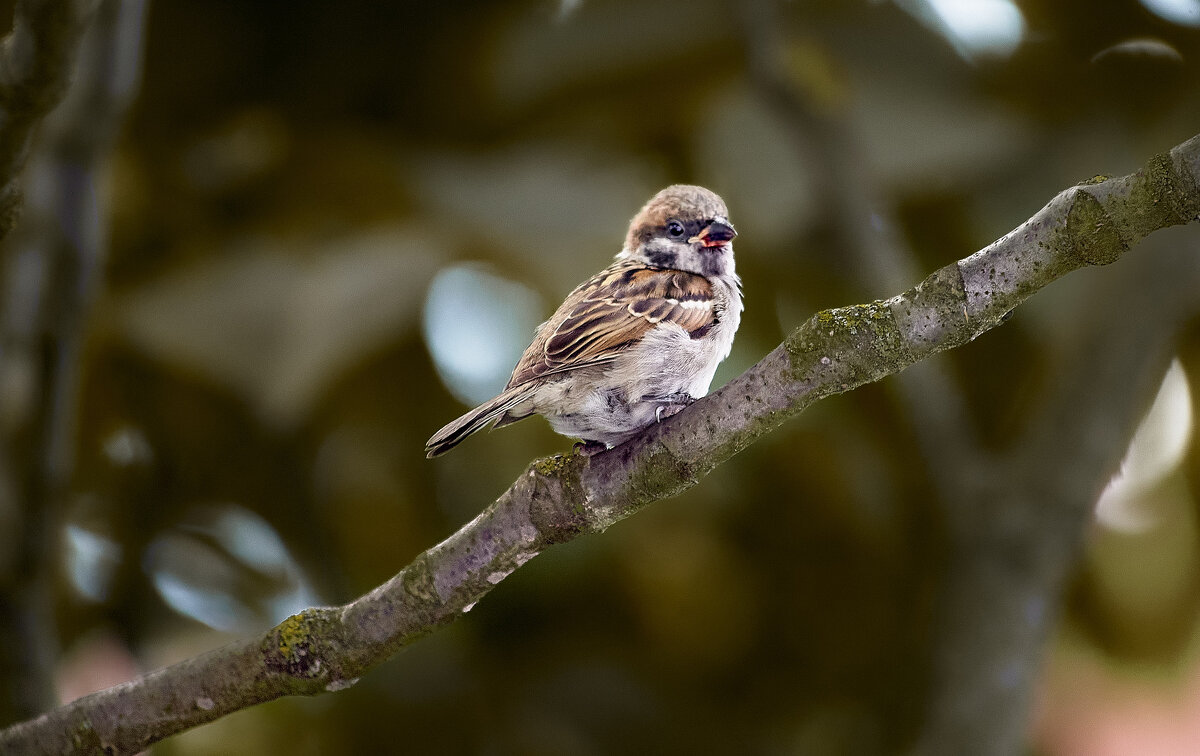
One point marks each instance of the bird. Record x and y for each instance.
(635, 343)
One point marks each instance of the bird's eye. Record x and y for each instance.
(675, 229)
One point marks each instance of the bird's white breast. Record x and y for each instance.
(669, 361)
(614, 402)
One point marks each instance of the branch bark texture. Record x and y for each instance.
(560, 498)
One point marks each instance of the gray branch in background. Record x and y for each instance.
(561, 498)
(52, 266)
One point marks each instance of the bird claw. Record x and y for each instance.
(589, 448)
(679, 402)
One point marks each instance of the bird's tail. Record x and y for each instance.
(477, 419)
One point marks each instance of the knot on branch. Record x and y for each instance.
(296, 646)
(659, 474)
(930, 314)
(85, 739)
(557, 500)
(1093, 235)
(1183, 172)
(418, 582)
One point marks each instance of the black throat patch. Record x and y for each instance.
(660, 256)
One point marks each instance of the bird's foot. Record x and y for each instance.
(677, 404)
(589, 448)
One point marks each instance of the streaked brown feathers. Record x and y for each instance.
(612, 310)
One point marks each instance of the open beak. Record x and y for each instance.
(715, 234)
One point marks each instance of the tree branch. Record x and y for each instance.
(560, 498)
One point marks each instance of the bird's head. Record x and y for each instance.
(683, 227)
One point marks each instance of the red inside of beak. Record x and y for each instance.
(717, 234)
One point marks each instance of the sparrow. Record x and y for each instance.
(635, 343)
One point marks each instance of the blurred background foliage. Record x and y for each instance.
(333, 225)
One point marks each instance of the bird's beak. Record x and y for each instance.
(715, 234)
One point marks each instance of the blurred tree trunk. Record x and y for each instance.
(52, 267)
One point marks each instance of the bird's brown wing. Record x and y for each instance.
(612, 310)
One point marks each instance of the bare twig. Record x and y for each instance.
(561, 498)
